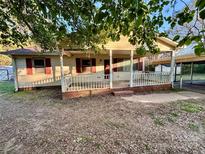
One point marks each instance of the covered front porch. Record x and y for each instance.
(116, 73)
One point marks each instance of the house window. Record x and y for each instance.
(86, 64)
(39, 63)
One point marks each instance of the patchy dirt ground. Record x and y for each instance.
(39, 122)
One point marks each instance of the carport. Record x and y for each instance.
(189, 68)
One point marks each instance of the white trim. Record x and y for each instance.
(192, 65)
(15, 74)
(111, 77)
(143, 64)
(172, 68)
(62, 71)
(131, 68)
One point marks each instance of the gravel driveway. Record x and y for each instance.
(39, 122)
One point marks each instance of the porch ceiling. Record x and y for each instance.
(106, 52)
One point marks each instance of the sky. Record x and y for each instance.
(167, 12)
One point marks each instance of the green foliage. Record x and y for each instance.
(191, 107)
(138, 20)
(192, 17)
(86, 24)
(5, 60)
(172, 117)
(159, 121)
(176, 38)
(46, 22)
(81, 23)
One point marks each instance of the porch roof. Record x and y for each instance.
(28, 51)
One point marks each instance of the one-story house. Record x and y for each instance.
(80, 73)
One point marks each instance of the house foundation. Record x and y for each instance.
(140, 89)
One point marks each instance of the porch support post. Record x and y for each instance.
(131, 68)
(111, 77)
(180, 70)
(143, 64)
(15, 74)
(62, 70)
(172, 68)
(175, 74)
(192, 65)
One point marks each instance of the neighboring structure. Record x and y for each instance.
(79, 72)
(166, 68)
(6, 73)
(186, 62)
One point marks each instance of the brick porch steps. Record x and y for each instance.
(123, 92)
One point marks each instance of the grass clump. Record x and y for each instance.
(159, 121)
(83, 139)
(194, 127)
(191, 107)
(172, 117)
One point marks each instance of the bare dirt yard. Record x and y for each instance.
(39, 122)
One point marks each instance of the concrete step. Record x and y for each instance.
(123, 93)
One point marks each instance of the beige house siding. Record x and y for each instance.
(123, 44)
(41, 79)
(164, 46)
(38, 77)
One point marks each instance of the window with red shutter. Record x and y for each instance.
(29, 69)
(93, 68)
(78, 65)
(48, 66)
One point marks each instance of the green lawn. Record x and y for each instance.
(6, 87)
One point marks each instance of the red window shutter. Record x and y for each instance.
(115, 60)
(48, 66)
(29, 69)
(93, 68)
(78, 65)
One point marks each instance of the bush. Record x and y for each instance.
(5, 60)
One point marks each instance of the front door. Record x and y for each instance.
(107, 68)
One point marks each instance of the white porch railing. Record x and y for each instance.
(86, 82)
(100, 81)
(41, 82)
(151, 78)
